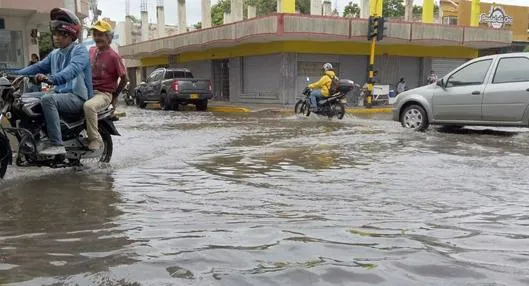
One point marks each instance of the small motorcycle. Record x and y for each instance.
(334, 105)
(26, 123)
(127, 95)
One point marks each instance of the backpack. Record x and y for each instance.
(334, 84)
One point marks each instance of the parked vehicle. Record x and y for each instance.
(334, 105)
(26, 124)
(486, 91)
(127, 95)
(173, 87)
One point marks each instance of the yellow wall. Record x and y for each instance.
(520, 16)
(338, 48)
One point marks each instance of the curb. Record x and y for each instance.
(368, 110)
(229, 109)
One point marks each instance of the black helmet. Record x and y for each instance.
(64, 20)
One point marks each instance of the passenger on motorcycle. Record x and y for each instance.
(107, 68)
(70, 72)
(321, 89)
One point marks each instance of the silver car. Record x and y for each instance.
(486, 91)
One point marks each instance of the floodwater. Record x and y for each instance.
(243, 199)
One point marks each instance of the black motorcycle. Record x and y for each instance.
(334, 105)
(26, 124)
(127, 95)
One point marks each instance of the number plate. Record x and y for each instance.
(195, 96)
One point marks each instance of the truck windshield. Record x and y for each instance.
(178, 74)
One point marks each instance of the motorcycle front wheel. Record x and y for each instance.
(5, 155)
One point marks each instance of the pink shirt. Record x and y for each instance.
(107, 67)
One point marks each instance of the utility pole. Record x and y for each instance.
(375, 33)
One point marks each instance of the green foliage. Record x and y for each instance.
(45, 44)
(351, 10)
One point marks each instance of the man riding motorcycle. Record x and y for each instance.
(107, 68)
(70, 72)
(321, 89)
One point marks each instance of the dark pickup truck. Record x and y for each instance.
(173, 86)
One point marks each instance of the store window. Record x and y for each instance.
(314, 69)
(11, 50)
(450, 20)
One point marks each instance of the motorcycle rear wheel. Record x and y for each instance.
(108, 148)
(339, 110)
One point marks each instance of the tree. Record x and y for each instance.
(393, 8)
(218, 10)
(45, 44)
(198, 25)
(351, 10)
(417, 10)
(303, 6)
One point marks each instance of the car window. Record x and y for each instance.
(512, 70)
(152, 76)
(159, 75)
(178, 74)
(473, 74)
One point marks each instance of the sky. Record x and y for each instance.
(115, 9)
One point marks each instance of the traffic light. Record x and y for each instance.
(380, 28)
(376, 28)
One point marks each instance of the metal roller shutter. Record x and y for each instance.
(443, 66)
(261, 75)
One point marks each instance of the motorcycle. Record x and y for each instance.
(334, 105)
(26, 123)
(127, 95)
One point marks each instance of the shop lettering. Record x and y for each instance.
(496, 18)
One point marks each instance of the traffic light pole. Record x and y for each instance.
(369, 97)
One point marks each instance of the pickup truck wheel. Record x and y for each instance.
(139, 101)
(414, 117)
(165, 103)
(202, 105)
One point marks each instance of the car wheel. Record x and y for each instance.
(202, 105)
(414, 117)
(165, 103)
(139, 101)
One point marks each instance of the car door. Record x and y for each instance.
(151, 84)
(507, 96)
(461, 96)
(157, 85)
(146, 89)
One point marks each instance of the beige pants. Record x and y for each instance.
(99, 102)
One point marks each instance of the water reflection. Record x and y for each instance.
(205, 199)
(60, 225)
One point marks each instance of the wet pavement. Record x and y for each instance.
(266, 199)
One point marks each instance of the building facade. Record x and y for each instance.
(493, 16)
(21, 22)
(268, 59)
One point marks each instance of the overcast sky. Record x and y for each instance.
(115, 9)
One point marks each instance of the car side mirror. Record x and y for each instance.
(441, 83)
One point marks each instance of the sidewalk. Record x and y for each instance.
(222, 106)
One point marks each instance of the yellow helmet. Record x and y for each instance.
(102, 26)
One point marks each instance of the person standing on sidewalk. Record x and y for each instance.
(107, 68)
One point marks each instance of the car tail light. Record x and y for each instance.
(176, 86)
(210, 89)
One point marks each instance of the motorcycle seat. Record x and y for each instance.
(76, 117)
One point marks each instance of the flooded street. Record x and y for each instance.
(244, 199)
